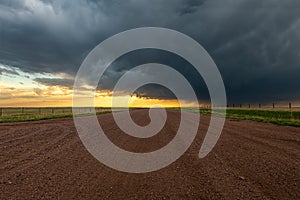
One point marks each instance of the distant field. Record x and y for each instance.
(33, 114)
(284, 117)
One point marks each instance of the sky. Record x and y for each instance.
(254, 43)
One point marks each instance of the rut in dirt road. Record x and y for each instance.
(46, 159)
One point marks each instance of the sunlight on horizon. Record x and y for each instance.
(21, 89)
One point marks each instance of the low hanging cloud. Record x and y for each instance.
(8, 71)
(255, 43)
(68, 83)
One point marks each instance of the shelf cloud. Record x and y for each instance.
(255, 43)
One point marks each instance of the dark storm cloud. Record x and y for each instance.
(139, 57)
(55, 82)
(255, 43)
(8, 71)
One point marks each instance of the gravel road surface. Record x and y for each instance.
(46, 159)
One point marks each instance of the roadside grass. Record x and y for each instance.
(284, 118)
(36, 117)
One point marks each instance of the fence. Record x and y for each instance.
(9, 111)
(272, 106)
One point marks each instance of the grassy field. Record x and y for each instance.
(33, 114)
(285, 118)
(35, 117)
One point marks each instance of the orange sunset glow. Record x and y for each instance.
(22, 90)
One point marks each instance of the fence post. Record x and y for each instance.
(249, 105)
(290, 107)
(240, 105)
(259, 105)
(273, 105)
(233, 105)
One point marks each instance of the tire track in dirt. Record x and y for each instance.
(52, 139)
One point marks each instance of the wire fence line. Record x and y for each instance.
(272, 106)
(10, 111)
(258, 106)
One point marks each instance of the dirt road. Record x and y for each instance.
(46, 159)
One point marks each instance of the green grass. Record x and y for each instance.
(36, 117)
(284, 118)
